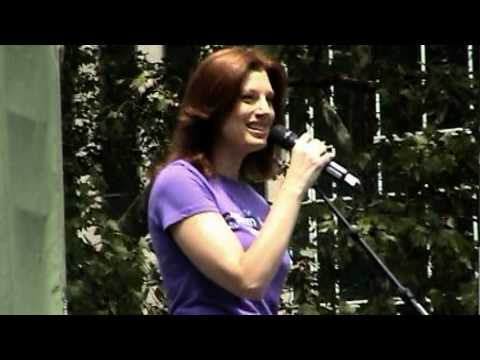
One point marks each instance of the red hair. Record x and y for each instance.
(210, 96)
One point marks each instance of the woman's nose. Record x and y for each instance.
(264, 106)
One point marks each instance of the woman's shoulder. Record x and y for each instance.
(178, 172)
(176, 168)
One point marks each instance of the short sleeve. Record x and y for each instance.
(179, 192)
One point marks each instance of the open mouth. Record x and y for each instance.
(257, 129)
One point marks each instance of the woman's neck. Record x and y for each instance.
(227, 162)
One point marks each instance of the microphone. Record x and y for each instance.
(281, 136)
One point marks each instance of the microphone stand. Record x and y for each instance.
(404, 292)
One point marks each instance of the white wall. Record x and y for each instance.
(154, 52)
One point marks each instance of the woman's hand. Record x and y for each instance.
(308, 158)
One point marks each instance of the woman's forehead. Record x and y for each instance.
(257, 78)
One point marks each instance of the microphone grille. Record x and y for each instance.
(281, 136)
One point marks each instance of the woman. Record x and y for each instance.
(221, 248)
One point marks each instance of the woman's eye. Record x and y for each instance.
(248, 98)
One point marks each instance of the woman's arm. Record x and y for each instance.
(210, 244)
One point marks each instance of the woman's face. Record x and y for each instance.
(248, 125)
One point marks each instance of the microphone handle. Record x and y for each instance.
(340, 173)
(334, 169)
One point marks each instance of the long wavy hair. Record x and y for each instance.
(210, 96)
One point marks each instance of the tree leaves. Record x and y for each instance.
(431, 178)
(107, 271)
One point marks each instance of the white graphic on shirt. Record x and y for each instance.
(248, 221)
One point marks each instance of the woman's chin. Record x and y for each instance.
(256, 144)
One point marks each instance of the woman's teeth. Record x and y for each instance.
(256, 127)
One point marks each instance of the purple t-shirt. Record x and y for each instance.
(181, 190)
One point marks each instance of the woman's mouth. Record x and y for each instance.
(258, 130)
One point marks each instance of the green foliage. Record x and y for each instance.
(420, 222)
(107, 271)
